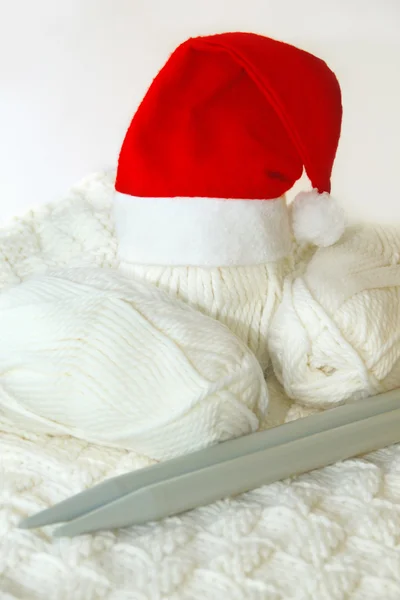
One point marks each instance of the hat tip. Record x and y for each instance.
(317, 218)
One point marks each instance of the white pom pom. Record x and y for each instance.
(317, 218)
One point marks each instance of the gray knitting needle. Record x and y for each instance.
(229, 468)
(232, 477)
(124, 484)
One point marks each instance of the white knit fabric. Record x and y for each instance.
(243, 298)
(89, 353)
(328, 535)
(336, 335)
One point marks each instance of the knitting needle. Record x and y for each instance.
(241, 474)
(118, 486)
(113, 489)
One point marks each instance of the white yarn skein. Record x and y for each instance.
(336, 334)
(242, 298)
(89, 353)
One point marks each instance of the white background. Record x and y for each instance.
(72, 73)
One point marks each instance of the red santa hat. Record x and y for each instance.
(225, 129)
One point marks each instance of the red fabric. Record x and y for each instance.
(233, 115)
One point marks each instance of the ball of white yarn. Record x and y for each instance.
(336, 334)
(89, 353)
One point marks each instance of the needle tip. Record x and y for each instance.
(29, 523)
(58, 533)
(41, 519)
(68, 530)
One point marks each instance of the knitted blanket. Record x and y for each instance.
(331, 534)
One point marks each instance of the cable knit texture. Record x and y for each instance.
(336, 335)
(329, 535)
(87, 352)
(243, 298)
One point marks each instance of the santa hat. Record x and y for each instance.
(225, 129)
